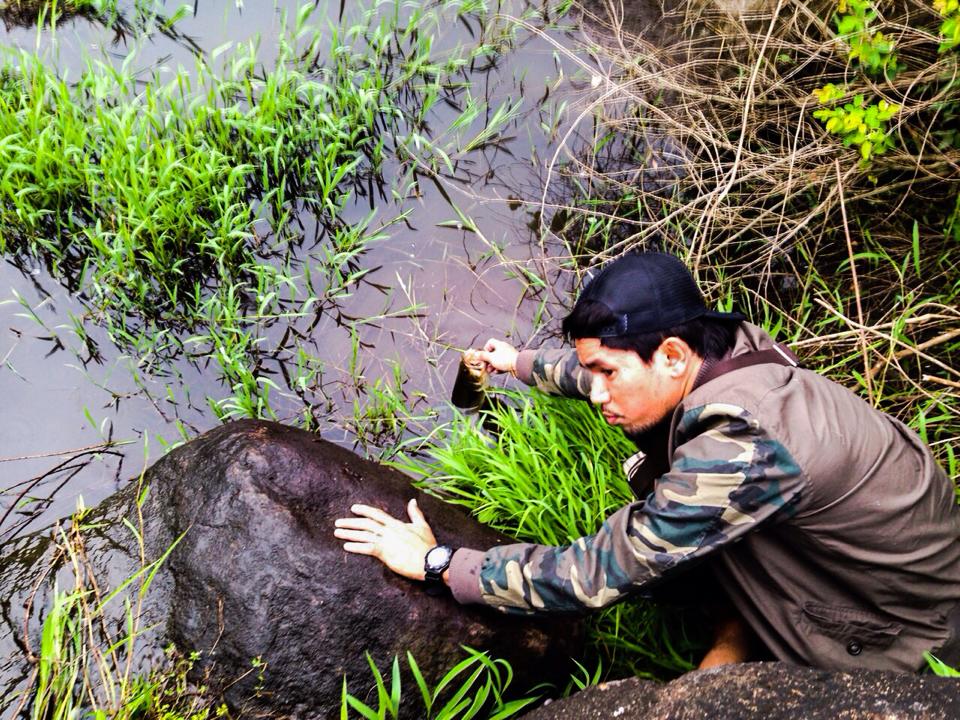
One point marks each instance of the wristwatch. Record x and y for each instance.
(435, 563)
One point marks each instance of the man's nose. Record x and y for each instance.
(598, 390)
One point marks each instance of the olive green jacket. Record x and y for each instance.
(829, 524)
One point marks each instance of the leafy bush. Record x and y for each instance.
(858, 124)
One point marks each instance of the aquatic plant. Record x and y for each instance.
(177, 207)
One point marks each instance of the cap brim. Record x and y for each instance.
(717, 315)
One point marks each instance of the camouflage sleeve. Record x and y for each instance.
(558, 372)
(727, 476)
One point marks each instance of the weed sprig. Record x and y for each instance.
(196, 213)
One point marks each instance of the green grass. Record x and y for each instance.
(166, 203)
(87, 653)
(146, 197)
(175, 205)
(940, 668)
(475, 687)
(553, 474)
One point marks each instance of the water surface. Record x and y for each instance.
(435, 288)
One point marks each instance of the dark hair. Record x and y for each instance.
(707, 337)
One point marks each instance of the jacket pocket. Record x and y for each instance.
(856, 628)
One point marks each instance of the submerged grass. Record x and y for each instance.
(167, 203)
(193, 212)
(144, 196)
(135, 19)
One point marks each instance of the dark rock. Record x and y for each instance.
(766, 691)
(259, 574)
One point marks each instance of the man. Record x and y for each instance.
(828, 524)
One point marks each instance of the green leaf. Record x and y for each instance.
(366, 711)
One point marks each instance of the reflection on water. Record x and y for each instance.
(454, 267)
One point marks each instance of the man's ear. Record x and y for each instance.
(675, 355)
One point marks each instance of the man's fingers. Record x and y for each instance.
(359, 523)
(373, 513)
(361, 536)
(416, 517)
(360, 548)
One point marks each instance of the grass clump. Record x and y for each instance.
(473, 688)
(86, 663)
(553, 474)
(171, 206)
(146, 198)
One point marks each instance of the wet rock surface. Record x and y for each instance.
(766, 691)
(259, 574)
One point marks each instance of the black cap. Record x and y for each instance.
(648, 292)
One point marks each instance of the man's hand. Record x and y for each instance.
(499, 356)
(400, 546)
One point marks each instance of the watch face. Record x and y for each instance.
(439, 557)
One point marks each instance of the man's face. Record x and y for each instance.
(631, 393)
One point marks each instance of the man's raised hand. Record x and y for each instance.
(499, 356)
(400, 546)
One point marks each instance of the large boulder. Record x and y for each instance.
(258, 575)
(766, 691)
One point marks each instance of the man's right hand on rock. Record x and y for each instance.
(400, 546)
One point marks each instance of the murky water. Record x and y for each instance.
(61, 405)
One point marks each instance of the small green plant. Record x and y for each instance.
(950, 27)
(938, 667)
(85, 662)
(388, 414)
(952, 226)
(473, 688)
(857, 123)
(874, 52)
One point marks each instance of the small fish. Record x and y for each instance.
(468, 389)
(470, 392)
